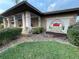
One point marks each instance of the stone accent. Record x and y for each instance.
(39, 21)
(9, 22)
(28, 21)
(15, 22)
(23, 24)
(4, 23)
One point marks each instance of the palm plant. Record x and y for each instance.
(16, 1)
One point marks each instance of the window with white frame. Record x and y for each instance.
(77, 19)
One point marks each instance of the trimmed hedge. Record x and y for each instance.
(73, 34)
(8, 34)
(37, 30)
(1, 26)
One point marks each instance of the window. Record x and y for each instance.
(77, 19)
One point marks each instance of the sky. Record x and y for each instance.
(43, 5)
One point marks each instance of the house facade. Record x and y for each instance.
(27, 17)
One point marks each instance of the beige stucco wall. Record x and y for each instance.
(70, 17)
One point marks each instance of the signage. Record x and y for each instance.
(56, 26)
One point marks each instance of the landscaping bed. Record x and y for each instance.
(9, 34)
(41, 50)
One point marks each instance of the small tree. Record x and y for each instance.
(73, 34)
(17, 1)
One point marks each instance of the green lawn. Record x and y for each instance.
(41, 50)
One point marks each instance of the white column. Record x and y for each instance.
(9, 22)
(39, 21)
(24, 30)
(4, 23)
(15, 21)
(28, 20)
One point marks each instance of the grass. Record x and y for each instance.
(41, 50)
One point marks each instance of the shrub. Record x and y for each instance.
(8, 34)
(73, 34)
(37, 30)
(1, 26)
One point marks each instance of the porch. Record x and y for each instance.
(25, 20)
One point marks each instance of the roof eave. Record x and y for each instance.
(18, 5)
